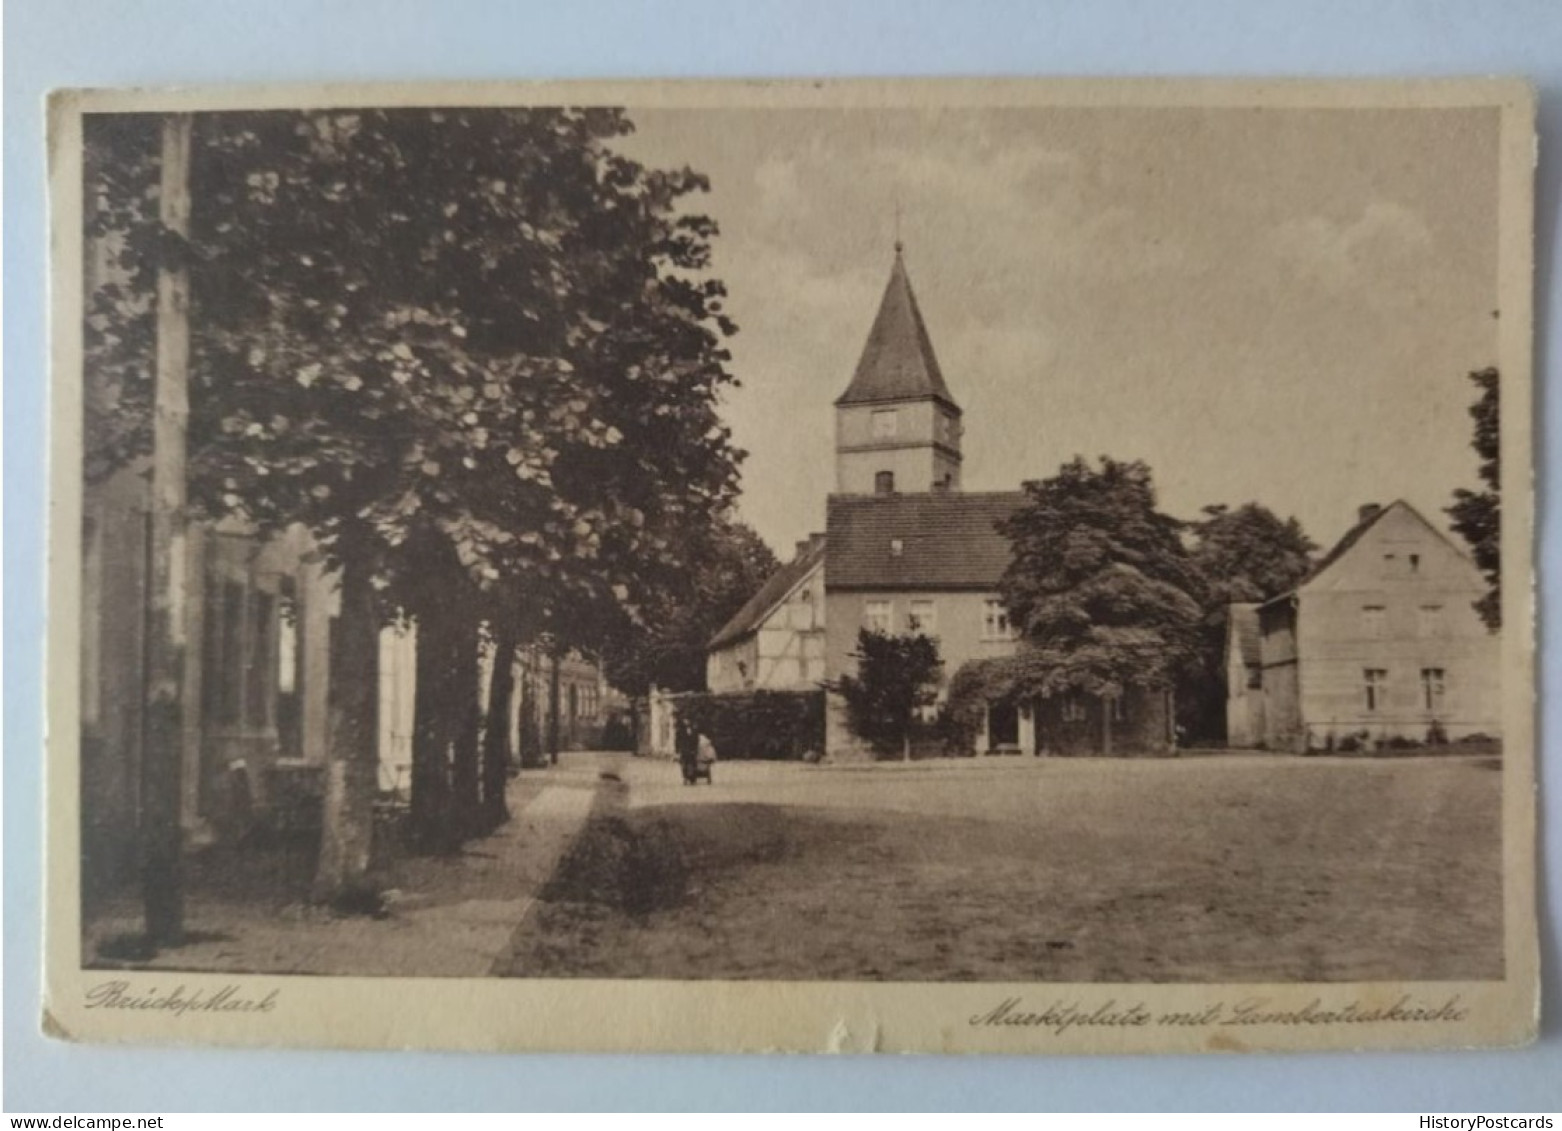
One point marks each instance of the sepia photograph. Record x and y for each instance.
(921, 566)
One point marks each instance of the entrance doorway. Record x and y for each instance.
(1003, 726)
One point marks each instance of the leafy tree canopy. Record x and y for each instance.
(1249, 553)
(1477, 515)
(666, 646)
(1100, 585)
(896, 675)
(481, 340)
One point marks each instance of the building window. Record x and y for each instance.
(1073, 709)
(1374, 619)
(878, 616)
(1375, 682)
(241, 668)
(884, 482)
(885, 424)
(1415, 563)
(995, 621)
(1432, 686)
(1431, 620)
(923, 619)
(289, 677)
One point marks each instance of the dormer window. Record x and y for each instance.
(897, 546)
(886, 424)
(884, 483)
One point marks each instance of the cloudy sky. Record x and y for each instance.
(1277, 305)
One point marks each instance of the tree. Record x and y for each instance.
(1477, 515)
(1245, 554)
(896, 675)
(666, 647)
(1100, 585)
(477, 354)
(1249, 553)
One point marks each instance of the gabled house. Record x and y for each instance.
(1380, 641)
(775, 642)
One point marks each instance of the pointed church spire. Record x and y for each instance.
(897, 362)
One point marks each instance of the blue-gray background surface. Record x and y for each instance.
(59, 43)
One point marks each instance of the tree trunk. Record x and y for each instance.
(553, 707)
(532, 755)
(465, 771)
(353, 756)
(431, 733)
(1106, 725)
(162, 745)
(496, 732)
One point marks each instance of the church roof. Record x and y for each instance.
(933, 540)
(898, 362)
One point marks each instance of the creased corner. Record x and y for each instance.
(50, 1024)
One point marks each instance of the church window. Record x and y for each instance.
(878, 616)
(995, 621)
(886, 423)
(923, 619)
(1375, 683)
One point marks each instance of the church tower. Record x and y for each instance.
(896, 426)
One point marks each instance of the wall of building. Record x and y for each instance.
(256, 686)
(1083, 725)
(1244, 699)
(734, 667)
(910, 453)
(960, 631)
(1399, 602)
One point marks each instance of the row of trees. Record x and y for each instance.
(478, 355)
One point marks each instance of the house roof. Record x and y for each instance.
(897, 362)
(1242, 628)
(1354, 535)
(777, 587)
(945, 540)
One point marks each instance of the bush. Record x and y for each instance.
(1436, 735)
(767, 725)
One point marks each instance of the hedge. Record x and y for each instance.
(770, 725)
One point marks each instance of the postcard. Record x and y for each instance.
(916, 566)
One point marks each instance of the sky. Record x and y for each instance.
(1274, 305)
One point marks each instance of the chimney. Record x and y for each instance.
(1366, 513)
(802, 548)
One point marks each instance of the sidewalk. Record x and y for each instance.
(448, 916)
